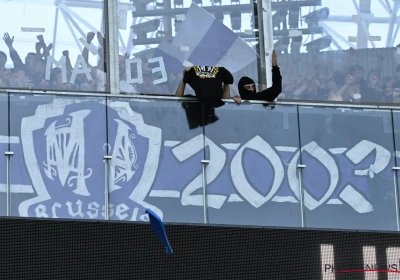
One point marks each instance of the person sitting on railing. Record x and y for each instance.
(247, 87)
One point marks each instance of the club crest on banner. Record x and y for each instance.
(63, 146)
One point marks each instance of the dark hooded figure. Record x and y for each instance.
(247, 87)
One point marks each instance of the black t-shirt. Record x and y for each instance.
(207, 81)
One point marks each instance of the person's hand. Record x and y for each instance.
(185, 70)
(101, 39)
(38, 47)
(8, 40)
(334, 97)
(349, 79)
(237, 99)
(274, 60)
(90, 37)
(49, 47)
(65, 53)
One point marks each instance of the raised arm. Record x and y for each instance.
(13, 53)
(270, 94)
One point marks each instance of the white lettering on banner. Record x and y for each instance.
(217, 162)
(327, 161)
(239, 178)
(74, 132)
(119, 212)
(62, 63)
(128, 70)
(188, 149)
(78, 70)
(95, 207)
(153, 134)
(70, 210)
(353, 197)
(360, 151)
(61, 154)
(160, 68)
(123, 166)
(40, 211)
(356, 200)
(91, 210)
(66, 152)
(81, 67)
(53, 209)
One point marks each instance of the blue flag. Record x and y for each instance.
(159, 229)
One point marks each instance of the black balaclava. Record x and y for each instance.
(242, 82)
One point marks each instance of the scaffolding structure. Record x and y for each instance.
(284, 24)
(167, 12)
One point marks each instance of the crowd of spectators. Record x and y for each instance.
(351, 83)
(320, 81)
(31, 73)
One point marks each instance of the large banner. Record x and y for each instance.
(58, 169)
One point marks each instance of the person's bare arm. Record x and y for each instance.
(338, 95)
(226, 92)
(181, 89)
(300, 90)
(13, 53)
(349, 79)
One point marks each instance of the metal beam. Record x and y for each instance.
(395, 35)
(268, 38)
(79, 45)
(71, 20)
(55, 32)
(73, 14)
(112, 46)
(276, 33)
(370, 19)
(262, 79)
(130, 7)
(129, 46)
(388, 5)
(247, 8)
(336, 35)
(363, 26)
(385, 6)
(333, 40)
(390, 36)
